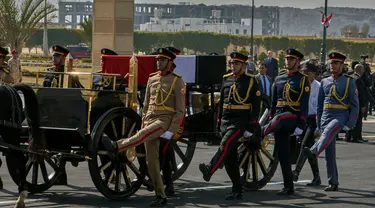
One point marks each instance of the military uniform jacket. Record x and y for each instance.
(290, 93)
(52, 80)
(5, 74)
(237, 91)
(338, 99)
(164, 101)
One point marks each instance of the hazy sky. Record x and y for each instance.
(281, 3)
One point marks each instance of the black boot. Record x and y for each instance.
(233, 196)
(1, 184)
(205, 171)
(169, 190)
(332, 188)
(158, 202)
(300, 162)
(286, 192)
(315, 169)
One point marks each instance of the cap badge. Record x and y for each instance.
(160, 50)
(234, 55)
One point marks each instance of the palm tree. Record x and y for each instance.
(87, 31)
(19, 19)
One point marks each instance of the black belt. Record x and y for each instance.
(10, 124)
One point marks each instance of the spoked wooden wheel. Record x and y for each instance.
(117, 177)
(40, 176)
(257, 165)
(182, 155)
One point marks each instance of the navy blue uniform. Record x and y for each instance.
(289, 110)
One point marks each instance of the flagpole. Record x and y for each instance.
(324, 46)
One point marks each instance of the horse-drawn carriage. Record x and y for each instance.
(74, 120)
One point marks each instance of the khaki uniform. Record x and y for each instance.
(15, 69)
(164, 108)
(5, 76)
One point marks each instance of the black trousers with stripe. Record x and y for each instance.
(227, 153)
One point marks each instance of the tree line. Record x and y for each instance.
(204, 42)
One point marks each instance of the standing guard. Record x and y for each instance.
(59, 54)
(162, 114)
(338, 108)
(5, 75)
(239, 109)
(289, 108)
(308, 135)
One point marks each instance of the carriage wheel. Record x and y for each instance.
(183, 152)
(126, 171)
(37, 182)
(257, 165)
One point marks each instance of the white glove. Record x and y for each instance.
(345, 128)
(247, 134)
(167, 135)
(297, 132)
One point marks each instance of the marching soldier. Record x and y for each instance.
(239, 109)
(166, 151)
(4, 69)
(162, 114)
(311, 70)
(59, 54)
(289, 108)
(338, 108)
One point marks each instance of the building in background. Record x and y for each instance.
(73, 12)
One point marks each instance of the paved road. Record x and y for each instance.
(355, 163)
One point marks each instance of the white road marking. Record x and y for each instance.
(224, 187)
(26, 201)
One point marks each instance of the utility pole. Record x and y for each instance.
(324, 46)
(252, 30)
(45, 37)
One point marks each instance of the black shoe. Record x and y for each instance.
(332, 188)
(158, 202)
(205, 171)
(233, 196)
(1, 184)
(295, 176)
(315, 181)
(62, 180)
(357, 141)
(310, 155)
(286, 192)
(109, 145)
(169, 191)
(363, 140)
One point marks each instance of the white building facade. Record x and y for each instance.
(202, 24)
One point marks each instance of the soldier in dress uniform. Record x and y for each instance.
(338, 108)
(5, 75)
(163, 111)
(238, 112)
(98, 81)
(59, 54)
(166, 151)
(289, 108)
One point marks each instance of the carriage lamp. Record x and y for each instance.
(131, 154)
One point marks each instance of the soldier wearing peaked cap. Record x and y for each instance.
(4, 69)
(163, 111)
(337, 109)
(238, 116)
(98, 81)
(289, 108)
(59, 54)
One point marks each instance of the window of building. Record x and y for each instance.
(244, 31)
(237, 31)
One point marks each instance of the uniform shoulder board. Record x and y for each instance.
(228, 75)
(303, 74)
(153, 74)
(177, 75)
(352, 76)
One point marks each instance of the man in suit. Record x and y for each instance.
(265, 84)
(273, 66)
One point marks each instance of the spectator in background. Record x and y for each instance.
(273, 66)
(250, 65)
(14, 64)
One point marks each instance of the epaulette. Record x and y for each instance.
(303, 74)
(352, 76)
(5, 68)
(228, 75)
(177, 75)
(153, 74)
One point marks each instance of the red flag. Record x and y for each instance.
(326, 20)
